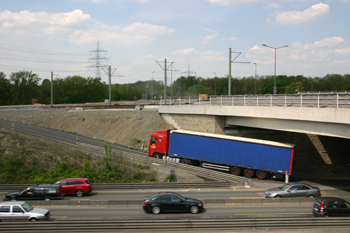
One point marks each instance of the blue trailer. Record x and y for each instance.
(252, 157)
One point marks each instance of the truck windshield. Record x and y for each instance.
(153, 140)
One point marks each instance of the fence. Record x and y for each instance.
(294, 100)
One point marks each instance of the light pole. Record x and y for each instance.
(152, 84)
(215, 83)
(255, 76)
(274, 86)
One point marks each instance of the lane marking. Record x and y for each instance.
(273, 213)
(59, 216)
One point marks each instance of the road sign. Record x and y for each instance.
(13, 126)
(78, 140)
(60, 127)
(24, 120)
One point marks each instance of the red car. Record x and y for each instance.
(77, 186)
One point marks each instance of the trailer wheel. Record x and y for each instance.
(249, 173)
(236, 171)
(186, 161)
(261, 175)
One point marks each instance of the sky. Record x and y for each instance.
(134, 37)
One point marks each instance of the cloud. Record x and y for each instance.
(327, 42)
(185, 51)
(77, 27)
(230, 38)
(314, 13)
(232, 2)
(343, 51)
(143, 1)
(208, 38)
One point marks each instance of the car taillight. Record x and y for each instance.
(319, 191)
(322, 207)
(145, 203)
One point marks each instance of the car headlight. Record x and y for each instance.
(199, 204)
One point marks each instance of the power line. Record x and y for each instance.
(98, 59)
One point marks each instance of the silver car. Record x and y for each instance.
(20, 210)
(293, 190)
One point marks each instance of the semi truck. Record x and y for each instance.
(238, 155)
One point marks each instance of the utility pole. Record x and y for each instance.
(165, 78)
(229, 68)
(152, 84)
(109, 72)
(51, 89)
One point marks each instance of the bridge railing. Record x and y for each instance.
(291, 100)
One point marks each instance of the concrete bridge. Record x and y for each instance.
(313, 115)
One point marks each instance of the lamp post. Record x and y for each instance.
(255, 76)
(152, 84)
(215, 83)
(274, 86)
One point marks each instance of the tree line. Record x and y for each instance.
(23, 86)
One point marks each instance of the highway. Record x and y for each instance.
(135, 212)
(224, 211)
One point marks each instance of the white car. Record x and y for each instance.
(20, 210)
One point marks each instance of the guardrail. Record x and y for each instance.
(178, 225)
(290, 100)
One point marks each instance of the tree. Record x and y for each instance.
(5, 89)
(25, 87)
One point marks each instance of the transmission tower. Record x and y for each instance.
(97, 59)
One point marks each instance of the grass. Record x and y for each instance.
(26, 159)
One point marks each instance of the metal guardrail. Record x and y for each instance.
(290, 100)
(177, 225)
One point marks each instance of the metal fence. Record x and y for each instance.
(292, 100)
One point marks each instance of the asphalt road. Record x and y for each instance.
(227, 211)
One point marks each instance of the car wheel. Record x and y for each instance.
(33, 219)
(236, 171)
(47, 198)
(249, 173)
(79, 193)
(13, 198)
(310, 196)
(278, 196)
(194, 209)
(156, 210)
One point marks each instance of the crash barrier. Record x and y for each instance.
(178, 225)
(138, 203)
(134, 186)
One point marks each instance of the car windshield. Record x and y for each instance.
(27, 207)
(285, 187)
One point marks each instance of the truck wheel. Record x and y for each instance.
(158, 156)
(249, 173)
(261, 175)
(236, 171)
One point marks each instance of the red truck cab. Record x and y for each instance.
(159, 144)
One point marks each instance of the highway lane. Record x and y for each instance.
(212, 212)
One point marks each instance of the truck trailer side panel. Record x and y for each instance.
(230, 152)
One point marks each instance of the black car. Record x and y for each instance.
(38, 192)
(331, 206)
(171, 201)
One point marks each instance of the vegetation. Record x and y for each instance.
(25, 85)
(24, 159)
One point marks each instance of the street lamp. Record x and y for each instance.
(275, 87)
(215, 83)
(152, 84)
(255, 76)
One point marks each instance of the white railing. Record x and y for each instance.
(292, 100)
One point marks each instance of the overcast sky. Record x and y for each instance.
(135, 36)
